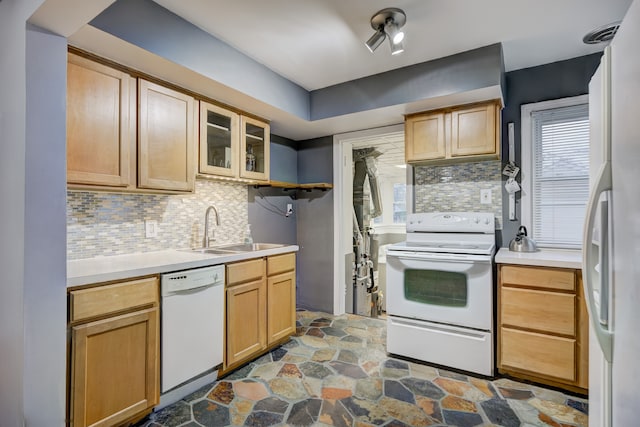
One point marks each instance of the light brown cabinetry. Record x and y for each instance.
(233, 145)
(166, 136)
(101, 139)
(281, 290)
(114, 353)
(105, 107)
(246, 310)
(541, 336)
(219, 141)
(260, 306)
(254, 149)
(470, 132)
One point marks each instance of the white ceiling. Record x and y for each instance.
(318, 43)
(390, 163)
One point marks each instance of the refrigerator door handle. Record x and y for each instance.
(592, 257)
(604, 251)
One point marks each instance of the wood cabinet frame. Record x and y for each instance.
(455, 134)
(281, 316)
(273, 282)
(91, 138)
(238, 134)
(566, 366)
(234, 134)
(260, 176)
(237, 314)
(166, 162)
(81, 405)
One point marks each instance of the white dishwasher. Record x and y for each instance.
(192, 323)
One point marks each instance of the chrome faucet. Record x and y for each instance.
(205, 240)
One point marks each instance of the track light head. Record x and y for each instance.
(388, 22)
(396, 48)
(376, 40)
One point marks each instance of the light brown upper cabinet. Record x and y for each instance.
(102, 150)
(233, 145)
(101, 139)
(426, 133)
(470, 132)
(166, 135)
(254, 149)
(219, 140)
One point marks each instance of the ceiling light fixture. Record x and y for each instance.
(388, 23)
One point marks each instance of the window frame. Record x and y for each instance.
(527, 156)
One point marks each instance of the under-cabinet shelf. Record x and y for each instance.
(323, 186)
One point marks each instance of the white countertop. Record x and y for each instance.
(543, 257)
(104, 269)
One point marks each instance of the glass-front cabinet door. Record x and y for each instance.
(219, 137)
(254, 145)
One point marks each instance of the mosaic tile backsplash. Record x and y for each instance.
(113, 224)
(457, 188)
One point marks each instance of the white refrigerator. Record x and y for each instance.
(611, 249)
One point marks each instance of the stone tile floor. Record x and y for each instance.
(335, 372)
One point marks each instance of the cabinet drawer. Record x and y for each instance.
(103, 300)
(540, 310)
(281, 263)
(538, 353)
(550, 278)
(245, 271)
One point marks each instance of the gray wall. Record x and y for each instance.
(550, 81)
(474, 69)
(32, 244)
(13, 15)
(148, 25)
(315, 226)
(266, 205)
(45, 230)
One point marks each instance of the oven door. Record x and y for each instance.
(455, 289)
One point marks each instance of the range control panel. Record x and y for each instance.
(451, 222)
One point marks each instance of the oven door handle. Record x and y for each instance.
(444, 329)
(422, 256)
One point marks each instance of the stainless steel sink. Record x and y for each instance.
(236, 248)
(213, 251)
(250, 247)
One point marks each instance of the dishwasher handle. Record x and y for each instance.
(189, 291)
(191, 281)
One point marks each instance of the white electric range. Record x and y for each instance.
(440, 291)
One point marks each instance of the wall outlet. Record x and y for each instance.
(150, 228)
(289, 209)
(485, 196)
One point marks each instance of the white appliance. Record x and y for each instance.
(192, 324)
(611, 247)
(440, 291)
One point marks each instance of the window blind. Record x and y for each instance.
(560, 182)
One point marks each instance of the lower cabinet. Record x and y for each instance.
(541, 334)
(260, 306)
(246, 317)
(281, 290)
(114, 353)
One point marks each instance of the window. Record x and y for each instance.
(555, 171)
(399, 203)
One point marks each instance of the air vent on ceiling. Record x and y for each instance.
(602, 34)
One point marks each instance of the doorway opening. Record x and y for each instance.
(370, 214)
